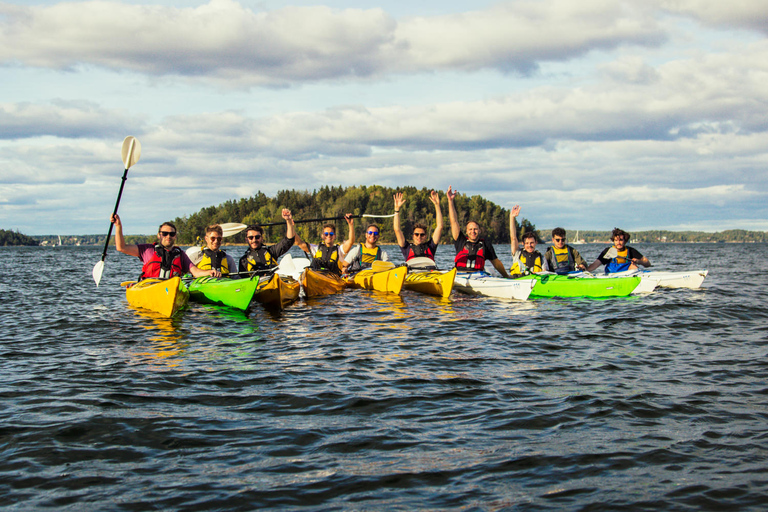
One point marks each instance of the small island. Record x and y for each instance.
(8, 237)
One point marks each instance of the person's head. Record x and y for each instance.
(558, 237)
(329, 234)
(529, 241)
(213, 237)
(419, 233)
(473, 231)
(166, 235)
(254, 235)
(372, 233)
(620, 238)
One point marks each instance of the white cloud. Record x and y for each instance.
(750, 14)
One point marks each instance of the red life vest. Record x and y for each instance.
(420, 251)
(163, 264)
(471, 256)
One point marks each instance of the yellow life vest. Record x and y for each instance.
(327, 257)
(526, 263)
(216, 260)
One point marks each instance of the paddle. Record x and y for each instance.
(131, 152)
(233, 228)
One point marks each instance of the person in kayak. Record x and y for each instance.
(260, 257)
(420, 246)
(471, 251)
(527, 260)
(328, 255)
(212, 256)
(619, 257)
(561, 258)
(163, 259)
(362, 256)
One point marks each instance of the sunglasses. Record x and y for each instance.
(558, 239)
(329, 233)
(254, 237)
(215, 238)
(374, 233)
(419, 234)
(168, 233)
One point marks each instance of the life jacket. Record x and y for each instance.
(471, 256)
(365, 257)
(163, 264)
(326, 258)
(526, 263)
(561, 260)
(620, 263)
(259, 259)
(420, 251)
(214, 260)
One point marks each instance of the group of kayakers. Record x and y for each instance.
(164, 259)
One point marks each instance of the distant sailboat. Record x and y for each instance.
(577, 240)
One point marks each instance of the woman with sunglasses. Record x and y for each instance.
(163, 259)
(421, 246)
(362, 256)
(329, 255)
(563, 258)
(260, 257)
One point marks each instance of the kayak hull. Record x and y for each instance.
(223, 291)
(165, 297)
(691, 279)
(318, 283)
(553, 285)
(277, 291)
(433, 282)
(482, 283)
(385, 281)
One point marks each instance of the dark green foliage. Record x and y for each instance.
(336, 201)
(8, 237)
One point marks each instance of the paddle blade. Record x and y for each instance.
(131, 151)
(98, 269)
(612, 253)
(381, 266)
(232, 228)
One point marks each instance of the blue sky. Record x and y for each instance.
(606, 113)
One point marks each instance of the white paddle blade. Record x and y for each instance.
(195, 254)
(131, 151)
(98, 269)
(612, 253)
(286, 266)
(232, 228)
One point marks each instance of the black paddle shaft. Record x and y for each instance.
(117, 203)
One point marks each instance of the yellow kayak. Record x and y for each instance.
(317, 283)
(165, 297)
(277, 291)
(383, 277)
(431, 282)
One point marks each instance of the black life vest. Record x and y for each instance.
(258, 259)
(326, 258)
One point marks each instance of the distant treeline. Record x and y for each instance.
(336, 201)
(656, 236)
(15, 238)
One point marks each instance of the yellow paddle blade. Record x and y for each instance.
(380, 266)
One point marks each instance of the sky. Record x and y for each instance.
(590, 114)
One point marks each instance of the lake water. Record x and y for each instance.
(362, 401)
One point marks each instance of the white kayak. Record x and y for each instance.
(482, 283)
(670, 279)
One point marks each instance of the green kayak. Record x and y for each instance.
(553, 285)
(225, 291)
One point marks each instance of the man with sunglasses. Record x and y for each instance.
(163, 259)
(362, 256)
(562, 258)
(619, 257)
(260, 257)
(421, 246)
(212, 256)
(471, 251)
(329, 255)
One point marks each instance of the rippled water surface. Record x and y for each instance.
(368, 402)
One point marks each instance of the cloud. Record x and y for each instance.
(749, 14)
(225, 42)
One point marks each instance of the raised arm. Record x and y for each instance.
(350, 241)
(120, 245)
(399, 202)
(455, 229)
(438, 233)
(290, 232)
(513, 243)
(499, 266)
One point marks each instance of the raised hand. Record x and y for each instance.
(399, 200)
(434, 197)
